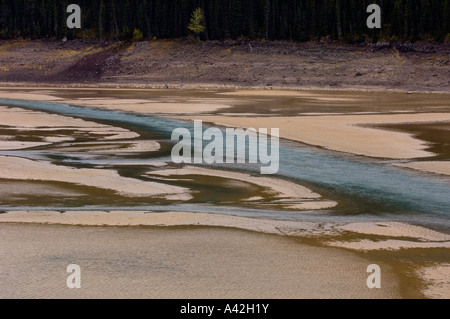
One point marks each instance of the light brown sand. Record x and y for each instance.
(437, 167)
(21, 119)
(341, 133)
(312, 205)
(344, 133)
(142, 218)
(19, 188)
(137, 146)
(24, 169)
(390, 244)
(149, 108)
(28, 96)
(184, 263)
(438, 278)
(268, 93)
(286, 93)
(145, 106)
(420, 236)
(395, 229)
(24, 120)
(281, 188)
(16, 145)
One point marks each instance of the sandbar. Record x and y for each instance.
(437, 167)
(438, 278)
(397, 232)
(137, 146)
(343, 133)
(24, 169)
(146, 107)
(280, 188)
(390, 244)
(25, 120)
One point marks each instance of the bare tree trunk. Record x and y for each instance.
(116, 28)
(204, 24)
(338, 19)
(266, 18)
(100, 20)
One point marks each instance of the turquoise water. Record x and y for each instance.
(370, 189)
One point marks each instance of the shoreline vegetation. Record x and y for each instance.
(301, 20)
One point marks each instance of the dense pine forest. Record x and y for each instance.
(296, 20)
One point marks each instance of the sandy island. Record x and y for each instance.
(295, 196)
(419, 237)
(23, 169)
(344, 133)
(17, 119)
(144, 106)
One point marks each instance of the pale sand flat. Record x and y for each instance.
(44, 189)
(142, 146)
(268, 93)
(420, 236)
(395, 229)
(333, 99)
(280, 188)
(437, 167)
(390, 244)
(438, 279)
(110, 101)
(284, 188)
(279, 227)
(24, 169)
(16, 145)
(137, 146)
(57, 139)
(18, 118)
(312, 205)
(343, 133)
(23, 118)
(149, 108)
(119, 101)
(151, 163)
(141, 218)
(27, 96)
(146, 106)
(299, 94)
(191, 262)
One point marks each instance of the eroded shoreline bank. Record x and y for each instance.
(227, 64)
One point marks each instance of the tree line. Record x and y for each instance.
(296, 20)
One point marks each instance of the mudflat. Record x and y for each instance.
(335, 123)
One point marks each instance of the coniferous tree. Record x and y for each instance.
(299, 20)
(196, 24)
